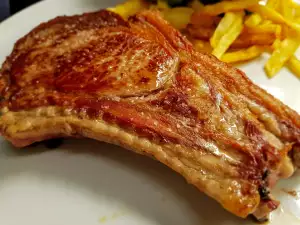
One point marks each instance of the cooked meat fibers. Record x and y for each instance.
(141, 85)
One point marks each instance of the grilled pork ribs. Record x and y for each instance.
(141, 85)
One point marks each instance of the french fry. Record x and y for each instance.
(276, 44)
(281, 55)
(278, 31)
(179, 17)
(228, 6)
(230, 36)
(266, 22)
(286, 9)
(222, 28)
(297, 19)
(274, 16)
(274, 4)
(129, 8)
(285, 31)
(262, 29)
(265, 29)
(253, 20)
(243, 54)
(246, 40)
(296, 8)
(294, 65)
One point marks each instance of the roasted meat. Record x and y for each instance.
(141, 85)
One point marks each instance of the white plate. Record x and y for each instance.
(90, 183)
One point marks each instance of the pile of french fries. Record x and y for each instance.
(235, 30)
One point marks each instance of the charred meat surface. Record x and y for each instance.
(139, 84)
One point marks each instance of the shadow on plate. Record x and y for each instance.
(141, 184)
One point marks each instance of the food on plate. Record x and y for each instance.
(253, 20)
(294, 65)
(130, 7)
(243, 54)
(282, 54)
(233, 27)
(140, 84)
(225, 39)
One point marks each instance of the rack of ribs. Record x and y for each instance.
(139, 83)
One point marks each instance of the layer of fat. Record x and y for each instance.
(42, 123)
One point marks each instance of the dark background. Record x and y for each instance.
(9, 7)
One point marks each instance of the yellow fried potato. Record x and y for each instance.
(274, 16)
(265, 29)
(286, 9)
(229, 37)
(274, 4)
(297, 19)
(266, 22)
(223, 27)
(179, 17)
(278, 31)
(296, 7)
(262, 29)
(129, 8)
(228, 6)
(281, 55)
(253, 20)
(276, 44)
(243, 54)
(294, 65)
(246, 40)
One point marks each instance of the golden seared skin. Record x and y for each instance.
(140, 84)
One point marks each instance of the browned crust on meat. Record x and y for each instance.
(98, 76)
